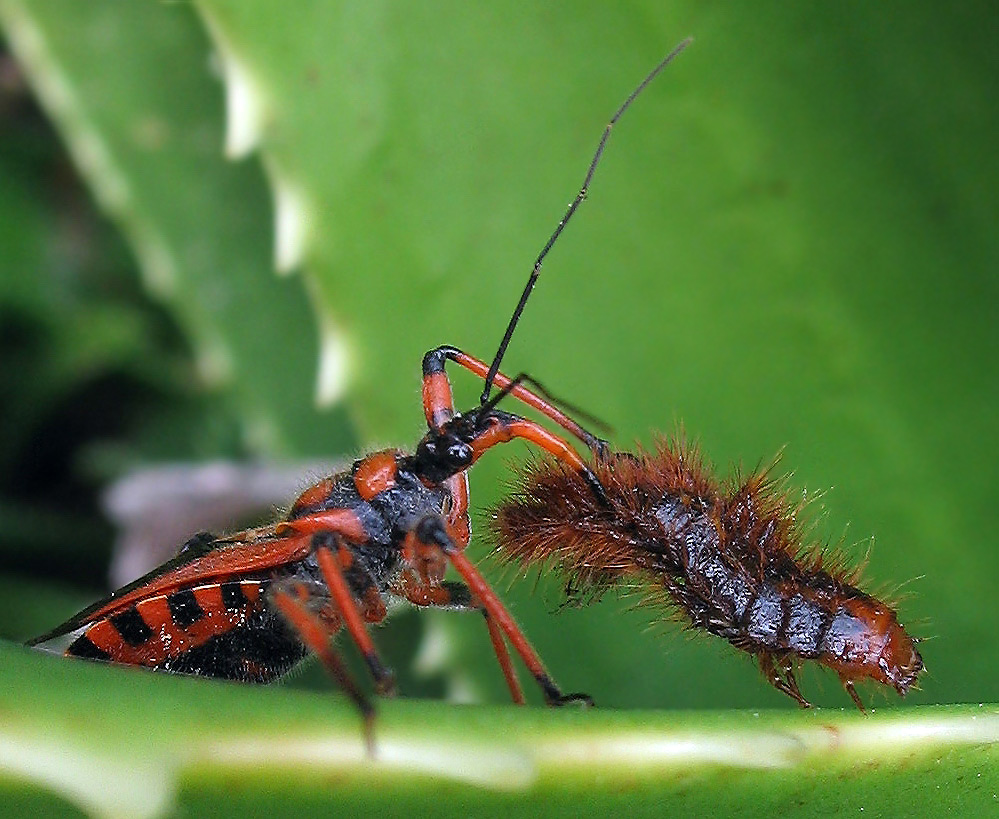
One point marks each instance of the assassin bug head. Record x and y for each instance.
(533, 278)
(444, 452)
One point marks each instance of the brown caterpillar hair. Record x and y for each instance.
(731, 559)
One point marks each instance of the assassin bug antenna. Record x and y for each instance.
(533, 278)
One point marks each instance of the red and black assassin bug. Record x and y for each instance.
(249, 606)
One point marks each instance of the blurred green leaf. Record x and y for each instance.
(143, 118)
(88, 357)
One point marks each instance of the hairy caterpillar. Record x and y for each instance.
(731, 559)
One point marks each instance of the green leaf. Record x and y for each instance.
(110, 741)
(130, 87)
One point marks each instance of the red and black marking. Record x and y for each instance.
(729, 558)
(173, 619)
(218, 629)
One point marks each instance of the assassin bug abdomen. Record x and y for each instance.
(730, 559)
(203, 612)
(250, 605)
(211, 611)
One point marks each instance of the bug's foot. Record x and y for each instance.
(581, 700)
(385, 685)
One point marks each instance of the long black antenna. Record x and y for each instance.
(532, 280)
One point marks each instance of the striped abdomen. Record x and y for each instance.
(221, 630)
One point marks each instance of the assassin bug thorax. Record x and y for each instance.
(251, 605)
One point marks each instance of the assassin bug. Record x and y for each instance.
(250, 605)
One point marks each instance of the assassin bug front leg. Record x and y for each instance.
(249, 606)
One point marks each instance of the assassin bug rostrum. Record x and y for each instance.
(249, 606)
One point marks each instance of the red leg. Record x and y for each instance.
(506, 664)
(500, 433)
(457, 516)
(423, 585)
(438, 406)
(343, 522)
(506, 430)
(316, 634)
(330, 529)
(346, 604)
(438, 403)
(456, 596)
(431, 530)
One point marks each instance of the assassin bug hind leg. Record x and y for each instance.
(457, 597)
(334, 566)
(317, 633)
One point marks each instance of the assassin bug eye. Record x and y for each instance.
(460, 453)
(440, 455)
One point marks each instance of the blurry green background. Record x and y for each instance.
(790, 246)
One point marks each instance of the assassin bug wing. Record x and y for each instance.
(197, 546)
(223, 630)
(206, 612)
(199, 561)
